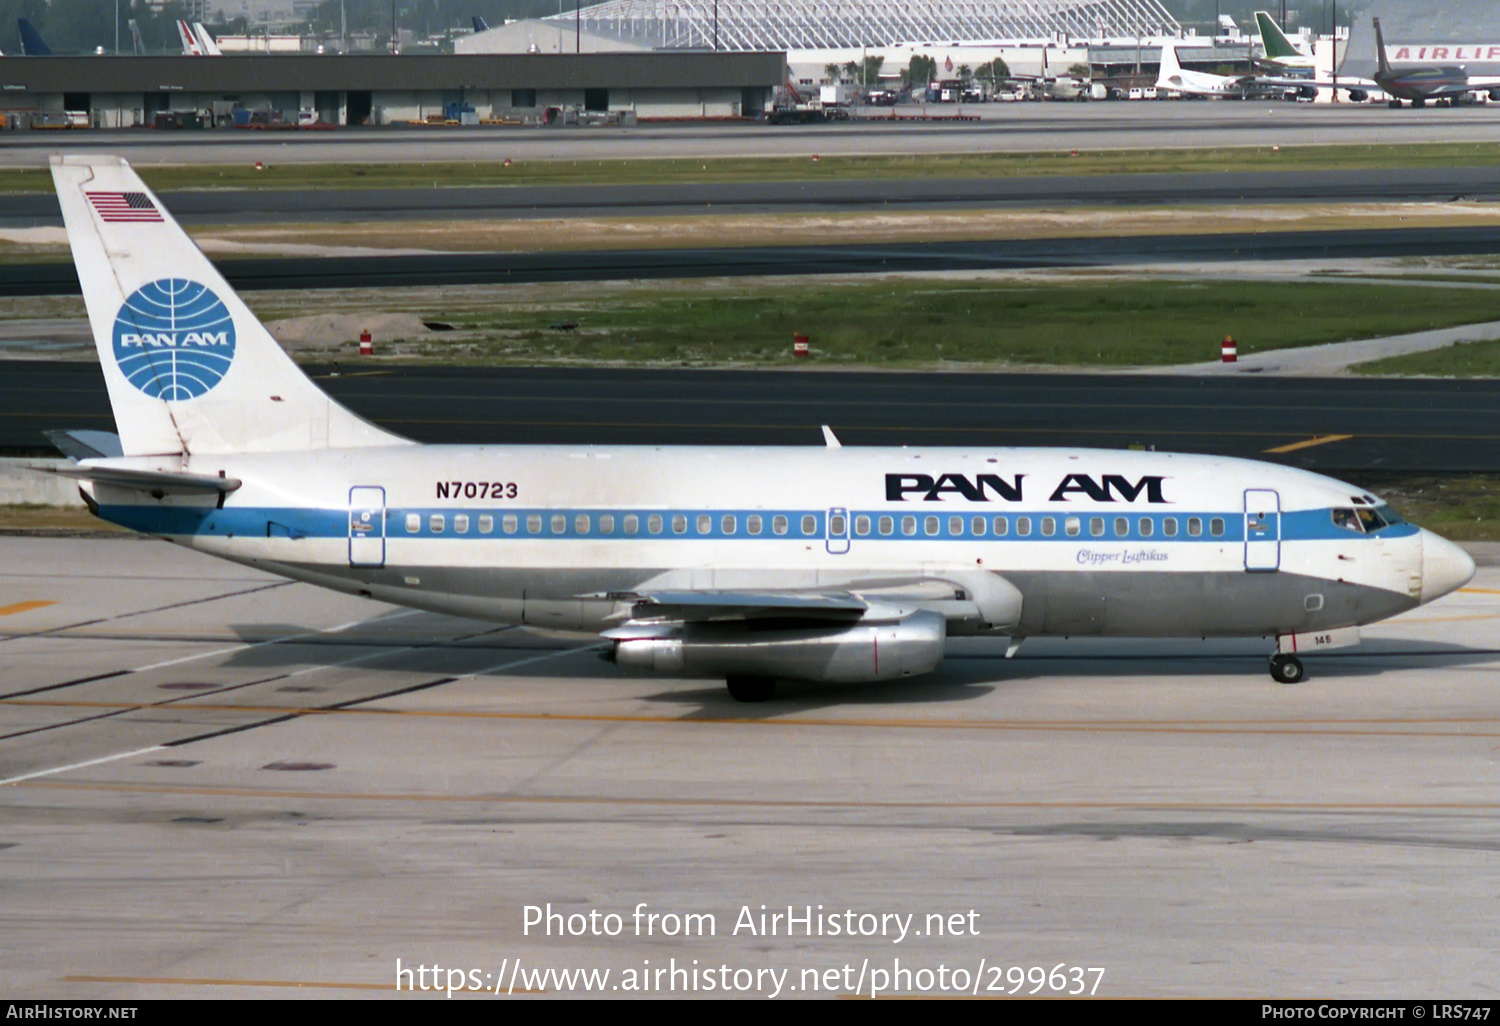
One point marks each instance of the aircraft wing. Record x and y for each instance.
(972, 595)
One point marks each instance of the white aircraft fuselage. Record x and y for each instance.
(751, 563)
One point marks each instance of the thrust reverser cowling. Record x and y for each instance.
(854, 654)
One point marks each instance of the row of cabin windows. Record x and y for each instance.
(703, 523)
(1072, 526)
(630, 523)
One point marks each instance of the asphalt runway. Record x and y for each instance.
(1397, 185)
(1007, 127)
(1356, 426)
(55, 278)
(216, 784)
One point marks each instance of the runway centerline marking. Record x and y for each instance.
(26, 607)
(1309, 443)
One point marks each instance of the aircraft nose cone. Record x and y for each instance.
(1445, 567)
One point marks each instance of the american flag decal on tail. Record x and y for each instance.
(124, 206)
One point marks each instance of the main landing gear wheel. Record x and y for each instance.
(751, 689)
(1286, 669)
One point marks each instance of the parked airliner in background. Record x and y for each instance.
(1174, 78)
(196, 42)
(1414, 83)
(748, 563)
(1281, 54)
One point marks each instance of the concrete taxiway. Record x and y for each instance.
(1000, 127)
(220, 784)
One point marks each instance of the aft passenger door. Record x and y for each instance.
(1262, 530)
(837, 535)
(366, 526)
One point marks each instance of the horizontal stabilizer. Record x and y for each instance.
(164, 481)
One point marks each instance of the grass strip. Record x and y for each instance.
(931, 323)
(1461, 360)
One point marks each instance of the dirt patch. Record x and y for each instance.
(339, 332)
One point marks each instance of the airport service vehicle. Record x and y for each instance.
(747, 563)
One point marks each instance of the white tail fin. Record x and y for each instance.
(190, 45)
(1169, 66)
(210, 48)
(189, 368)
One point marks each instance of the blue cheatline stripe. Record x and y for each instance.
(720, 524)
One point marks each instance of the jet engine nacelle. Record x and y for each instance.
(854, 654)
(1495, 95)
(1358, 95)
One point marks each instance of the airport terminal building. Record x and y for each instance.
(121, 92)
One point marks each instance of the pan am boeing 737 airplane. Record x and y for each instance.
(750, 563)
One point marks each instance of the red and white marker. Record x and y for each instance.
(1229, 352)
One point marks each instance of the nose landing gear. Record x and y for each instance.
(1286, 669)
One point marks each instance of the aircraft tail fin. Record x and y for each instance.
(135, 38)
(480, 25)
(189, 368)
(32, 44)
(1169, 65)
(1385, 66)
(210, 48)
(1272, 39)
(190, 45)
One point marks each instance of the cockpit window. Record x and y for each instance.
(1365, 520)
(1347, 519)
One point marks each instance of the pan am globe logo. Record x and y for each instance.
(174, 339)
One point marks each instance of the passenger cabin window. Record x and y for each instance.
(887, 525)
(1216, 527)
(413, 523)
(728, 524)
(606, 523)
(679, 523)
(1195, 526)
(838, 525)
(461, 523)
(1072, 525)
(559, 523)
(1145, 526)
(1122, 527)
(1049, 527)
(486, 523)
(861, 525)
(1002, 526)
(908, 526)
(1096, 526)
(1023, 526)
(778, 524)
(809, 526)
(752, 523)
(435, 523)
(930, 526)
(1169, 527)
(509, 523)
(977, 526)
(705, 524)
(632, 523)
(956, 526)
(653, 523)
(581, 523)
